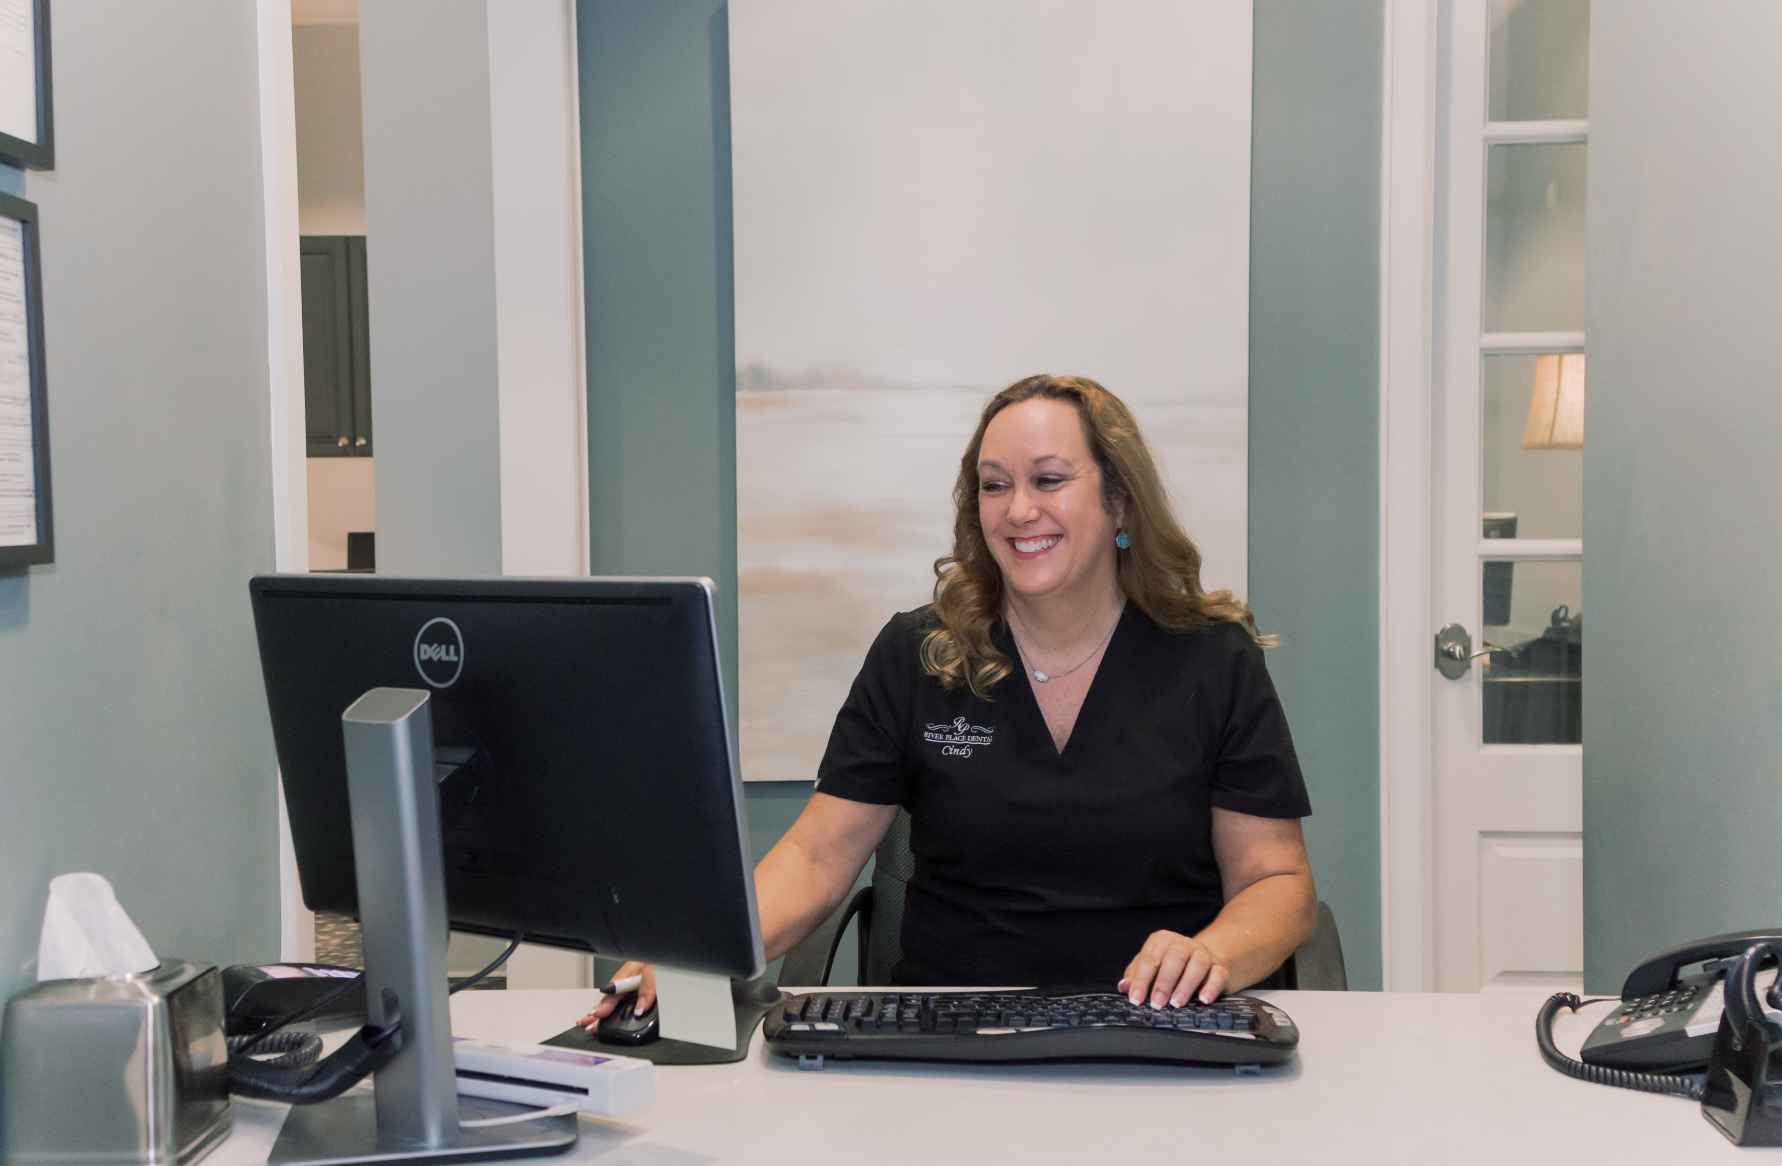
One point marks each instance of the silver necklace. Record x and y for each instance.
(1040, 677)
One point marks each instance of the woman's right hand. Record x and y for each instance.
(801, 880)
(646, 995)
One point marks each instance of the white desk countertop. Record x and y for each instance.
(1412, 1078)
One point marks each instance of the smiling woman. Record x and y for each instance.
(1141, 749)
(1124, 810)
(1059, 460)
(1043, 508)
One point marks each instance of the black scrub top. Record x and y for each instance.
(1035, 867)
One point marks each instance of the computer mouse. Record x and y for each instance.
(623, 1026)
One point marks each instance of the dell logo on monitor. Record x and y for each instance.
(439, 652)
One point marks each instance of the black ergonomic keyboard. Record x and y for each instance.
(1030, 1025)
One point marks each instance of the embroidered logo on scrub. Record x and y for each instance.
(958, 738)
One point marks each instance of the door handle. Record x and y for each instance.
(1454, 653)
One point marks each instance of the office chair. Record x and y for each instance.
(361, 550)
(1317, 965)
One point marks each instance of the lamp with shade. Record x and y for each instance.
(1556, 411)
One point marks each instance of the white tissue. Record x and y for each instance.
(86, 933)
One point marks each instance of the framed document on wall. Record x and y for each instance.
(25, 137)
(25, 536)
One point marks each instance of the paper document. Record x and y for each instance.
(18, 468)
(18, 69)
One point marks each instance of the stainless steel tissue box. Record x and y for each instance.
(115, 1070)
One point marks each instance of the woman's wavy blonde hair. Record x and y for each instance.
(1160, 572)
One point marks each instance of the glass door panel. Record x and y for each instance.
(1540, 59)
(1531, 437)
(1534, 238)
(1532, 679)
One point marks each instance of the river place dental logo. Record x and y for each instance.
(958, 738)
(439, 652)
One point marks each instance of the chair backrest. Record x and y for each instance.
(1317, 964)
(893, 864)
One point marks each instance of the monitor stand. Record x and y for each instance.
(414, 1111)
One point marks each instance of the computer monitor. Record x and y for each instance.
(1497, 576)
(588, 789)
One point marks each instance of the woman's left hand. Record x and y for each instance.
(1170, 968)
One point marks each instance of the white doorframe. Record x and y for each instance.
(1419, 309)
(284, 365)
(1410, 105)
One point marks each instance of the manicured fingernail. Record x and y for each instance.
(1134, 997)
(1123, 985)
(1157, 1000)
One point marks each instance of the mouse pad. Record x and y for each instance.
(751, 1006)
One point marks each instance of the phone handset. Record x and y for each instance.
(1660, 972)
(1745, 1012)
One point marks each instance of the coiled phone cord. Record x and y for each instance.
(287, 1049)
(1689, 1086)
(296, 1076)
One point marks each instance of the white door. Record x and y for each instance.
(1507, 493)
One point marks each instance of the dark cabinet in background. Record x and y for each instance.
(336, 346)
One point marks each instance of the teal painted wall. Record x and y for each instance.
(661, 353)
(1314, 425)
(656, 186)
(133, 721)
(655, 114)
(1682, 710)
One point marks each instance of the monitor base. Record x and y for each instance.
(344, 1130)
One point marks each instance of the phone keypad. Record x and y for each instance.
(1659, 1004)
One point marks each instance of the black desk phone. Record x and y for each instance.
(1671, 1006)
(255, 996)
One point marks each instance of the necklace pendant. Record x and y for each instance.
(1039, 676)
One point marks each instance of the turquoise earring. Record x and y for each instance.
(1122, 539)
